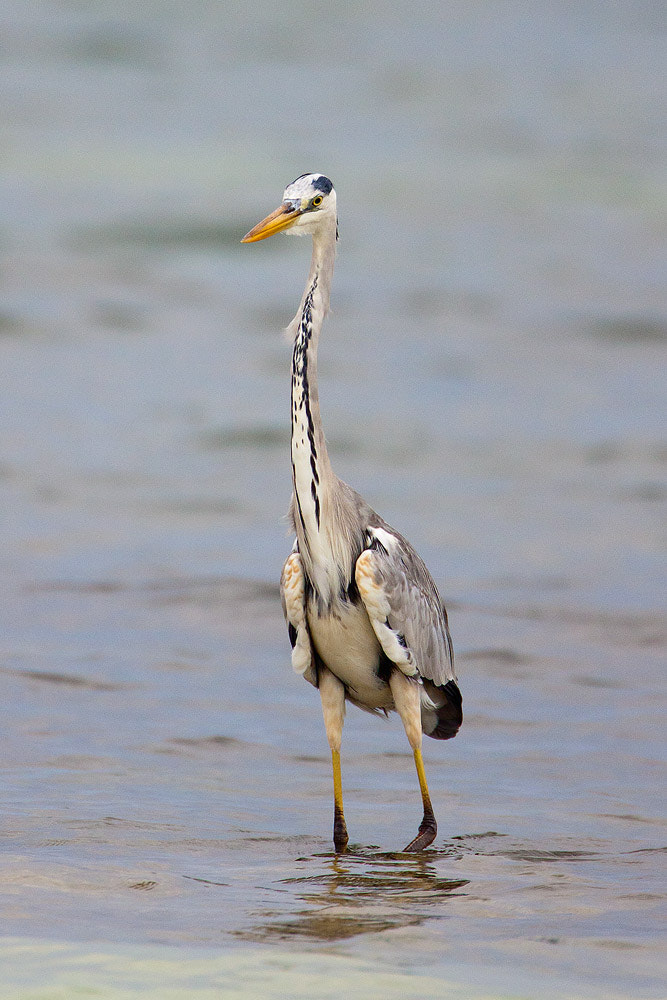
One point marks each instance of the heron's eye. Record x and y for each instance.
(317, 200)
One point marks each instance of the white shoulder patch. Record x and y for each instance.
(384, 537)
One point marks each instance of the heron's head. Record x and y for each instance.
(308, 206)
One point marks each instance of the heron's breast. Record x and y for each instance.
(347, 645)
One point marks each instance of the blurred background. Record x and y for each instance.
(492, 380)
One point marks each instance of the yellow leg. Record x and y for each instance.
(340, 830)
(332, 694)
(428, 827)
(405, 692)
(426, 798)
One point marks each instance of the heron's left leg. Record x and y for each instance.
(406, 694)
(332, 693)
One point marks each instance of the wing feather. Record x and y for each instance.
(293, 597)
(404, 606)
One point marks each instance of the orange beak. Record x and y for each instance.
(282, 218)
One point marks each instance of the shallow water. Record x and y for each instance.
(491, 380)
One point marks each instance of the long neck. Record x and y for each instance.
(311, 470)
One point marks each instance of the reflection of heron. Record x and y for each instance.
(362, 894)
(364, 616)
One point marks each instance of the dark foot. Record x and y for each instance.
(340, 837)
(426, 834)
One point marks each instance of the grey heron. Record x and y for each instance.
(364, 616)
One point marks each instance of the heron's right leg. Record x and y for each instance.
(332, 693)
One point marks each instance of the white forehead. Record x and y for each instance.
(307, 185)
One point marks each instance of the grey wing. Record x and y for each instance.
(410, 623)
(404, 607)
(293, 597)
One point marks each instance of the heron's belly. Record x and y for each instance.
(347, 645)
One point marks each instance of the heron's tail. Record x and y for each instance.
(442, 712)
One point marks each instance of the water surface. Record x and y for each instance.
(490, 380)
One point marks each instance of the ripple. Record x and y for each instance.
(262, 437)
(630, 329)
(548, 856)
(190, 233)
(326, 927)
(69, 680)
